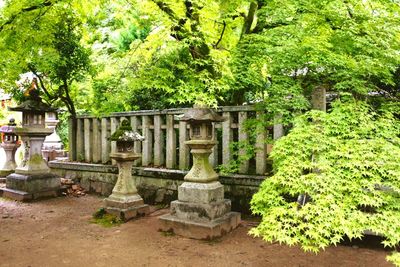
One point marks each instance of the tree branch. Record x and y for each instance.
(46, 3)
(222, 34)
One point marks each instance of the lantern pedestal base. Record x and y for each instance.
(201, 212)
(200, 230)
(29, 187)
(126, 208)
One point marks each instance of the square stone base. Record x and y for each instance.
(129, 213)
(200, 230)
(30, 187)
(126, 207)
(25, 196)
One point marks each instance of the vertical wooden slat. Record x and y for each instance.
(137, 148)
(158, 141)
(147, 143)
(72, 139)
(171, 142)
(113, 127)
(243, 140)
(278, 127)
(80, 148)
(96, 151)
(183, 148)
(261, 151)
(88, 139)
(226, 138)
(213, 159)
(105, 143)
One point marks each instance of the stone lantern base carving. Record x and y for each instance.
(124, 201)
(201, 212)
(32, 180)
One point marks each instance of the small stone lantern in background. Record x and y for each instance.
(201, 212)
(52, 145)
(10, 145)
(124, 201)
(32, 179)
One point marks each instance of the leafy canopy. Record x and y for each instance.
(347, 164)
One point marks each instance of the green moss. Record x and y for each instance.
(124, 126)
(105, 219)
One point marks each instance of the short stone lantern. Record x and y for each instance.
(125, 202)
(10, 145)
(32, 179)
(52, 146)
(201, 212)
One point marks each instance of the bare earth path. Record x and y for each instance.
(57, 232)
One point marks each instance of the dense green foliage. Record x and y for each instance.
(347, 162)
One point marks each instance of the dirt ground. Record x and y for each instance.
(57, 232)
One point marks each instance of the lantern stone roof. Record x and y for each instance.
(201, 114)
(33, 106)
(9, 128)
(125, 133)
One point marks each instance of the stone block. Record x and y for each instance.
(123, 202)
(200, 230)
(129, 213)
(200, 212)
(33, 183)
(201, 192)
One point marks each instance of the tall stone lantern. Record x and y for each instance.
(125, 202)
(201, 212)
(32, 179)
(10, 145)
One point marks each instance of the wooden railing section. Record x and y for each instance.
(165, 136)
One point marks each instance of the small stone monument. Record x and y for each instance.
(10, 145)
(124, 201)
(32, 179)
(201, 212)
(52, 145)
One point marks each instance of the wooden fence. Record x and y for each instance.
(165, 135)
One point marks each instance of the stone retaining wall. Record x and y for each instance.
(156, 186)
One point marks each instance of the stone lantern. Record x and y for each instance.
(125, 202)
(201, 212)
(52, 145)
(10, 145)
(32, 179)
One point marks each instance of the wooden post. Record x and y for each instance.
(105, 143)
(147, 143)
(183, 149)
(278, 127)
(158, 142)
(114, 125)
(80, 148)
(96, 155)
(171, 142)
(261, 151)
(226, 138)
(243, 140)
(88, 139)
(213, 159)
(137, 148)
(72, 139)
(318, 98)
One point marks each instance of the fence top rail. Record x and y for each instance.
(172, 111)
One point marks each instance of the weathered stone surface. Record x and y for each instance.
(238, 188)
(200, 230)
(201, 193)
(123, 202)
(33, 183)
(200, 212)
(129, 213)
